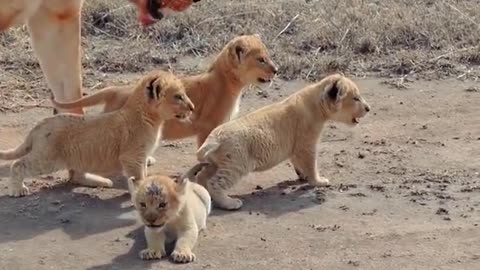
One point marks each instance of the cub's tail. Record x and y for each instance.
(18, 152)
(91, 100)
(192, 172)
(205, 150)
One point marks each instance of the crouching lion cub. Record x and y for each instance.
(172, 211)
(284, 130)
(116, 142)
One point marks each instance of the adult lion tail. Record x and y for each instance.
(100, 97)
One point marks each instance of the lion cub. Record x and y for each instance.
(172, 211)
(216, 93)
(107, 143)
(288, 129)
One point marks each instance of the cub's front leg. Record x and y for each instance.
(155, 245)
(134, 165)
(305, 164)
(185, 242)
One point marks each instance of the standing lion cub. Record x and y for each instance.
(116, 142)
(243, 61)
(288, 129)
(172, 211)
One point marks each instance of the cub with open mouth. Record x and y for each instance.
(289, 129)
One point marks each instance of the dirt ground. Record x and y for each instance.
(404, 194)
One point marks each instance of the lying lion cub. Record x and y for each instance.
(108, 143)
(171, 211)
(216, 94)
(284, 130)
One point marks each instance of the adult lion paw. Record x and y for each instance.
(182, 256)
(151, 254)
(19, 191)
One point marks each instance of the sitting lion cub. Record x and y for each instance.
(288, 129)
(171, 211)
(113, 142)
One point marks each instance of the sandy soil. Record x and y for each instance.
(405, 194)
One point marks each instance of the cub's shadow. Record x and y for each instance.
(285, 197)
(62, 206)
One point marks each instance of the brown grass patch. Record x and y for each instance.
(434, 38)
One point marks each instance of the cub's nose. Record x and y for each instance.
(274, 69)
(150, 219)
(367, 108)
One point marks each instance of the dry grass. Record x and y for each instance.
(307, 38)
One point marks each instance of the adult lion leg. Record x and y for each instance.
(306, 162)
(55, 38)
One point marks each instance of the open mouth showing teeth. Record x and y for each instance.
(153, 8)
(262, 80)
(155, 226)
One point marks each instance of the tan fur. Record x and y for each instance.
(284, 130)
(54, 27)
(216, 93)
(116, 142)
(171, 211)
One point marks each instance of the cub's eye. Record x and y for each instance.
(162, 205)
(261, 60)
(178, 97)
(356, 98)
(143, 205)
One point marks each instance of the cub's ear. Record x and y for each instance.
(153, 89)
(237, 52)
(181, 183)
(132, 183)
(335, 92)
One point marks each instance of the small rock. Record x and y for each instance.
(65, 220)
(258, 187)
(354, 263)
(442, 211)
(263, 239)
(424, 126)
(361, 155)
(472, 89)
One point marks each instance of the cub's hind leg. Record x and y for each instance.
(24, 167)
(89, 179)
(224, 179)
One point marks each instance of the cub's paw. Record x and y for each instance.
(320, 182)
(182, 256)
(19, 191)
(151, 160)
(151, 254)
(228, 203)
